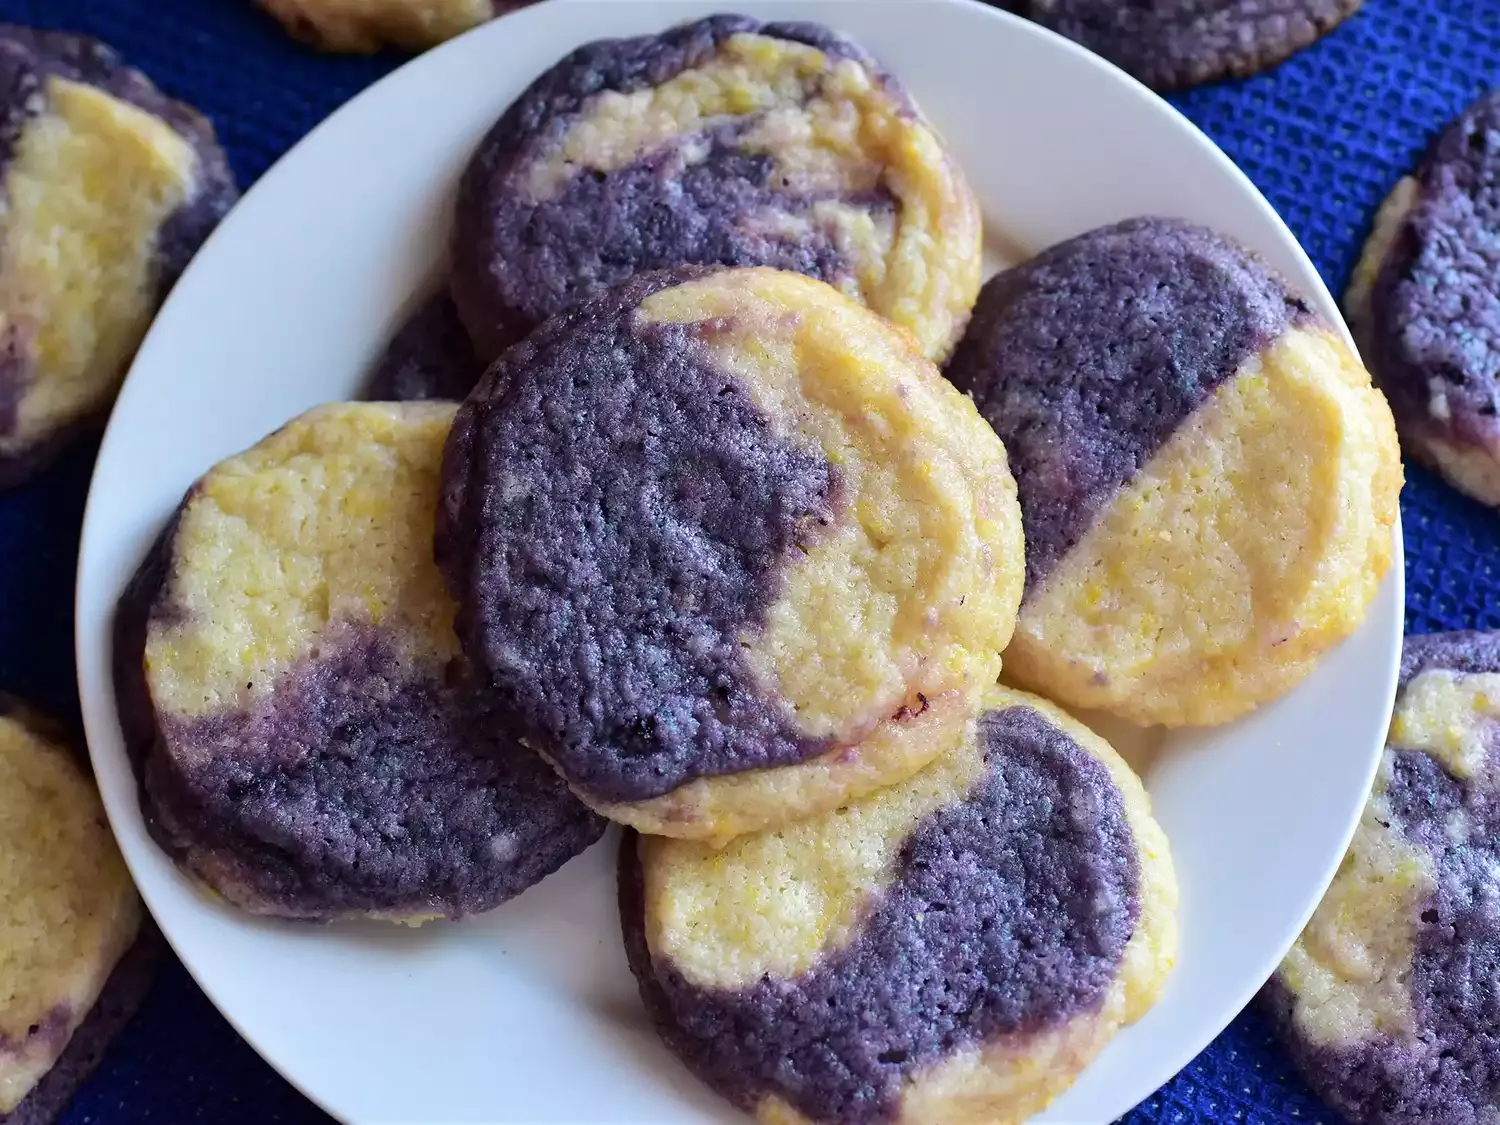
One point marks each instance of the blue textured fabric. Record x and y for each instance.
(1324, 136)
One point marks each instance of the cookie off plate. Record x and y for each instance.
(530, 1013)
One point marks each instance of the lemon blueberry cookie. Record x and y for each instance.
(1388, 1000)
(1171, 43)
(76, 955)
(367, 25)
(721, 142)
(730, 547)
(309, 743)
(1425, 305)
(1207, 479)
(108, 188)
(429, 357)
(953, 948)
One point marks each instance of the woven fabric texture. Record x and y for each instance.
(1324, 136)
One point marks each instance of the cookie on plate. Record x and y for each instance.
(1425, 304)
(955, 948)
(1387, 1001)
(108, 188)
(1208, 481)
(291, 689)
(367, 25)
(1172, 43)
(76, 954)
(721, 142)
(429, 357)
(731, 548)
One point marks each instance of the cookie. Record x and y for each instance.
(954, 948)
(363, 26)
(108, 188)
(1425, 307)
(1208, 481)
(76, 955)
(1172, 43)
(430, 357)
(308, 741)
(1387, 1001)
(722, 142)
(731, 548)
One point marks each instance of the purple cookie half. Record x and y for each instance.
(998, 928)
(29, 59)
(617, 513)
(429, 358)
(1414, 1038)
(1425, 302)
(1172, 43)
(374, 776)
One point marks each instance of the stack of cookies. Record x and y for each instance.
(712, 549)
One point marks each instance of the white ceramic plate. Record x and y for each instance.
(529, 1014)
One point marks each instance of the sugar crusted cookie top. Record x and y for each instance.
(725, 141)
(723, 522)
(316, 749)
(836, 964)
(1386, 998)
(1434, 310)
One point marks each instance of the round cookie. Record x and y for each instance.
(429, 357)
(721, 142)
(955, 948)
(1207, 479)
(291, 688)
(76, 956)
(1172, 43)
(108, 188)
(1424, 304)
(1388, 1000)
(363, 26)
(731, 548)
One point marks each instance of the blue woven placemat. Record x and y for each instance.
(1324, 137)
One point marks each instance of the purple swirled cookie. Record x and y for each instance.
(1173, 43)
(429, 358)
(76, 952)
(368, 25)
(1164, 401)
(954, 948)
(730, 549)
(1425, 304)
(308, 741)
(1389, 1001)
(108, 187)
(721, 142)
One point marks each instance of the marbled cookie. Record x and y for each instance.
(429, 357)
(1207, 479)
(955, 948)
(75, 954)
(367, 25)
(1390, 1000)
(1171, 43)
(107, 187)
(730, 547)
(292, 691)
(1425, 304)
(721, 142)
